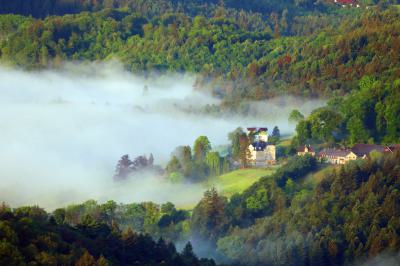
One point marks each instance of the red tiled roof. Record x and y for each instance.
(303, 148)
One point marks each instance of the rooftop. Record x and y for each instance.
(257, 129)
(364, 149)
(334, 152)
(303, 148)
(260, 145)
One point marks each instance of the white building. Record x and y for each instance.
(261, 152)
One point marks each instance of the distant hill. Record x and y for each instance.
(37, 8)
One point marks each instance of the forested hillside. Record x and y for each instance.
(237, 54)
(152, 7)
(347, 56)
(353, 214)
(30, 236)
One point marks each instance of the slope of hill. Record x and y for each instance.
(352, 214)
(237, 181)
(238, 56)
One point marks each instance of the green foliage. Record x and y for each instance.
(368, 114)
(201, 148)
(325, 54)
(234, 137)
(350, 213)
(295, 116)
(208, 219)
(269, 194)
(28, 239)
(173, 165)
(238, 180)
(213, 161)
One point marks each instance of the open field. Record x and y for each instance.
(238, 180)
(234, 182)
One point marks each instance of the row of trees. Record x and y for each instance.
(202, 162)
(352, 214)
(127, 167)
(30, 236)
(158, 220)
(198, 164)
(151, 7)
(367, 115)
(328, 56)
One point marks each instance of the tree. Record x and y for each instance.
(102, 261)
(186, 161)
(201, 147)
(295, 116)
(274, 18)
(188, 256)
(123, 168)
(173, 165)
(151, 160)
(213, 161)
(234, 137)
(86, 260)
(325, 124)
(276, 132)
(9, 254)
(59, 215)
(209, 220)
(275, 136)
(284, 23)
(244, 151)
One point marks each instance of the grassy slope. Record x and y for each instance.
(233, 182)
(238, 180)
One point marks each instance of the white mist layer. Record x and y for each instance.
(62, 132)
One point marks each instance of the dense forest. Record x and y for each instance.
(369, 114)
(240, 51)
(30, 236)
(238, 54)
(352, 214)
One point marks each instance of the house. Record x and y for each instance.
(358, 151)
(260, 152)
(305, 149)
(335, 156)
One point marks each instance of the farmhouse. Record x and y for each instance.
(260, 152)
(334, 156)
(358, 151)
(305, 149)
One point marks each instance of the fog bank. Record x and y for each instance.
(62, 132)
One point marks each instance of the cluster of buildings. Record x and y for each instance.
(346, 3)
(342, 156)
(262, 153)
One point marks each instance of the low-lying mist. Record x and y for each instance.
(62, 132)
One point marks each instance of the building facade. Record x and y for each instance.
(305, 149)
(261, 153)
(334, 156)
